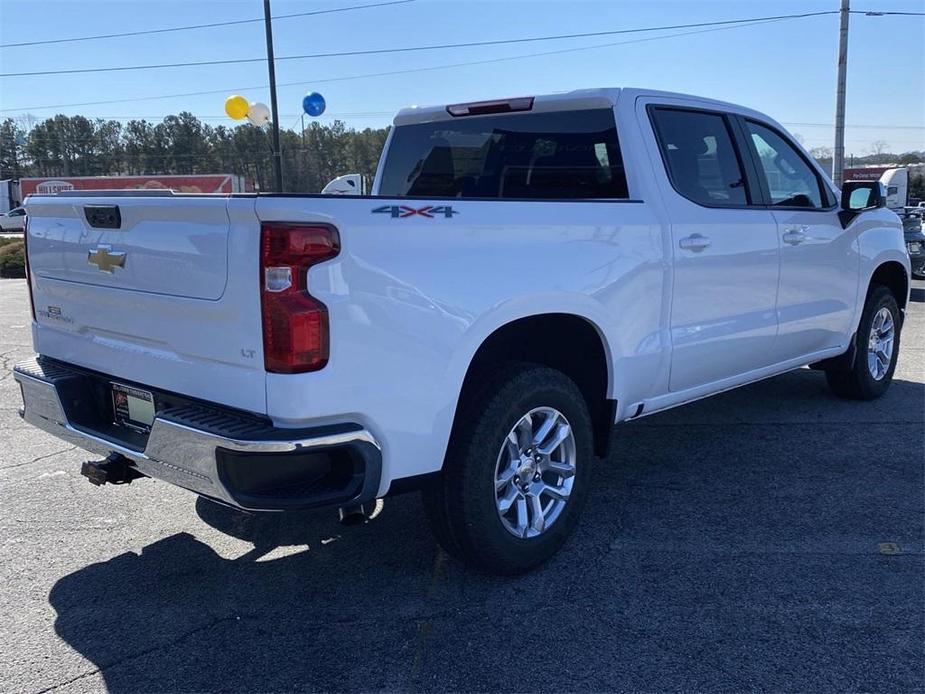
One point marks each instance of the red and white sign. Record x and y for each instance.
(53, 186)
(865, 173)
(205, 183)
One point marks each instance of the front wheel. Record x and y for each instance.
(878, 348)
(517, 471)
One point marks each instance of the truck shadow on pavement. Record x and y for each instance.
(736, 543)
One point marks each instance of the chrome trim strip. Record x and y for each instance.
(165, 429)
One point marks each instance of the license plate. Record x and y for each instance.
(132, 407)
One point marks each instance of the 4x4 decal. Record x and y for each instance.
(403, 211)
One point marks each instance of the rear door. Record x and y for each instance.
(725, 249)
(819, 260)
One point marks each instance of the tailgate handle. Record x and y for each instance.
(103, 216)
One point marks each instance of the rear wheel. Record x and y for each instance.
(878, 347)
(516, 473)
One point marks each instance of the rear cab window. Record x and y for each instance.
(546, 155)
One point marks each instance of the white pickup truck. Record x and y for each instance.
(526, 273)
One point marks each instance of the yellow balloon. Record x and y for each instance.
(236, 107)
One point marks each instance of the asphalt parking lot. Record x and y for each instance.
(769, 538)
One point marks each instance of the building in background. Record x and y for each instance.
(198, 183)
(7, 201)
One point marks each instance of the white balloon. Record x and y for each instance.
(258, 114)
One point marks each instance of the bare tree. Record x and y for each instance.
(878, 148)
(823, 156)
(26, 121)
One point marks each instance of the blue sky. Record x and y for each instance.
(785, 68)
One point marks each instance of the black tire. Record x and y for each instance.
(460, 504)
(858, 383)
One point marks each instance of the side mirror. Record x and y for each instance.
(859, 196)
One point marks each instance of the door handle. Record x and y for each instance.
(695, 242)
(795, 235)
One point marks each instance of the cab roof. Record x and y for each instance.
(579, 99)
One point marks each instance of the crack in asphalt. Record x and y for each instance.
(5, 368)
(140, 654)
(426, 626)
(38, 527)
(357, 621)
(41, 457)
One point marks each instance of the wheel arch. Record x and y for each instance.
(567, 341)
(888, 270)
(894, 275)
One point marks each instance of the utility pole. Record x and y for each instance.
(65, 164)
(277, 155)
(838, 158)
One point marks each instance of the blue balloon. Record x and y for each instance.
(313, 104)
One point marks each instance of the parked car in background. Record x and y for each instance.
(14, 220)
(348, 184)
(526, 273)
(915, 240)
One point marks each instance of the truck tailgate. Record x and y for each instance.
(165, 294)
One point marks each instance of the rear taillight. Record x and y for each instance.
(296, 336)
(25, 252)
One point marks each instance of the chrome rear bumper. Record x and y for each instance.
(188, 446)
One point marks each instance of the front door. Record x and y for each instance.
(819, 260)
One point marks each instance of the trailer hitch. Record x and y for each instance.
(115, 469)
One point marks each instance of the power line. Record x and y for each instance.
(97, 140)
(878, 13)
(372, 114)
(874, 127)
(224, 117)
(390, 73)
(410, 49)
(97, 37)
(199, 26)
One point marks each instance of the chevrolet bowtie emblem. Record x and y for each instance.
(105, 258)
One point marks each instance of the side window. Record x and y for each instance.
(702, 163)
(791, 181)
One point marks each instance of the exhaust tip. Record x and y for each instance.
(359, 513)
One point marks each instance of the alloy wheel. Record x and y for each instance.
(535, 472)
(880, 344)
